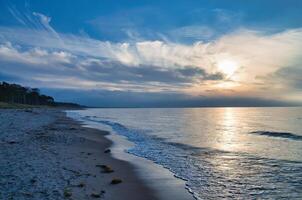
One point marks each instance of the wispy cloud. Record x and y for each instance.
(44, 21)
(196, 32)
(156, 65)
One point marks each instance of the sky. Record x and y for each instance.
(127, 53)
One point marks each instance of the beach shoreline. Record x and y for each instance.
(46, 155)
(163, 183)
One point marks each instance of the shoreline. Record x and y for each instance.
(158, 178)
(44, 154)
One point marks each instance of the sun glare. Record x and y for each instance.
(227, 67)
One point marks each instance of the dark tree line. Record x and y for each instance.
(14, 93)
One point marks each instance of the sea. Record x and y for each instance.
(221, 153)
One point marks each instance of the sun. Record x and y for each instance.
(228, 67)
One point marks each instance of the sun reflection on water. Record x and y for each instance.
(228, 130)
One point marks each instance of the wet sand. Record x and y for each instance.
(46, 155)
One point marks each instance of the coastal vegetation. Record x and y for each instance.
(17, 96)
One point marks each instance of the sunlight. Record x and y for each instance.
(226, 85)
(228, 67)
(228, 134)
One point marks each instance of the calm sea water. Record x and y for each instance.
(240, 153)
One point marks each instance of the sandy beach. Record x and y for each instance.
(46, 155)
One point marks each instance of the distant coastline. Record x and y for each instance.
(18, 96)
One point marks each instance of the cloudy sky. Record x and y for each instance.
(155, 53)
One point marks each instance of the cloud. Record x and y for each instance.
(196, 32)
(17, 15)
(291, 76)
(63, 60)
(44, 19)
(227, 17)
(34, 56)
(45, 22)
(115, 72)
(70, 71)
(285, 79)
(248, 47)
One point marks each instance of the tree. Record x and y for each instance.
(14, 93)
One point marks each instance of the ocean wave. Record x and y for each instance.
(216, 174)
(285, 135)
